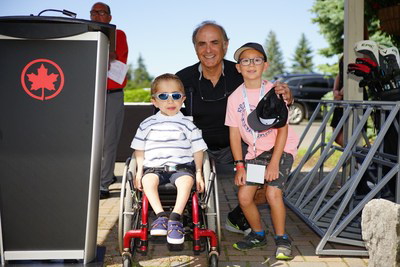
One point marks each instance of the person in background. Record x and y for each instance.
(114, 117)
(208, 83)
(338, 95)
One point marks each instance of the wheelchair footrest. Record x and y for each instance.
(175, 247)
(158, 239)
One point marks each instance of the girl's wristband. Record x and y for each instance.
(239, 167)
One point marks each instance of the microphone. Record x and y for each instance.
(64, 12)
(69, 13)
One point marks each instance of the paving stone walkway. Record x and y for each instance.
(304, 239)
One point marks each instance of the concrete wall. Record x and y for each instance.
(135, 113)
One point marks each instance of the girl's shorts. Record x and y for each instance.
(285, 165)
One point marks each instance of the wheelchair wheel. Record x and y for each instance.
(212, 260)
(128, 206)
(211, 213)
(126, 261)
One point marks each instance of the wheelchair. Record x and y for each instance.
(203, 209)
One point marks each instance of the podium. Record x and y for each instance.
(52, 104)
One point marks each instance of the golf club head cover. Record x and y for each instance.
(366, 61)
(390, 51)
(369, 48)
(359, 70)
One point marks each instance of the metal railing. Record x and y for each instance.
(330, 200)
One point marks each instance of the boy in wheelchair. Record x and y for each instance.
(168, 149)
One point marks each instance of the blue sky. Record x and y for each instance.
(161, 30)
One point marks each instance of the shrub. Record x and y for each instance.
(137, 95)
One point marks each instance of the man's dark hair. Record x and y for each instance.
(104, 4)
(206, 23)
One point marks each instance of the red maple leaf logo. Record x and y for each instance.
(42, 80)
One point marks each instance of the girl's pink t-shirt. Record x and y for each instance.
(236, 116)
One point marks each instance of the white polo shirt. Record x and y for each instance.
(168, 140)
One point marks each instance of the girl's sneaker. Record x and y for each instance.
(252, 240)
(283, 248)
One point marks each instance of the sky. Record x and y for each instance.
(160, 31)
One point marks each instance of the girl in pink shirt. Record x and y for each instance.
(269, 156)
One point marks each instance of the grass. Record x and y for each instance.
(329, 164)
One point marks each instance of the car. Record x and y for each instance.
(305, 86)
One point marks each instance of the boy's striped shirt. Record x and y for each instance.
(168, 140)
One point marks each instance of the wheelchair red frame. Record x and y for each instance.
(133, 202)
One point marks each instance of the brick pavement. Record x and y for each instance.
(304, 240)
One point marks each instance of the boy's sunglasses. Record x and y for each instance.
(164, 96)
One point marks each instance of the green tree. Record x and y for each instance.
(275, 57)
(129, 74)
(302, 59)
(331, 69)
(330, 19)
(140, 77)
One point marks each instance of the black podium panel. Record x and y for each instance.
(46, 128)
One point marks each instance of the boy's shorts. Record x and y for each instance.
(166, 177)
(285, 165)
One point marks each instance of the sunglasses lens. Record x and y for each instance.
(176, 96)
(163, 96)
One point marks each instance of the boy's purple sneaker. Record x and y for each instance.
(159, 227)
(176, 233)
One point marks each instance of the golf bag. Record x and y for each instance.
(380, 74)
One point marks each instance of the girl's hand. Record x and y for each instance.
(240, 176)
(272, 172)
